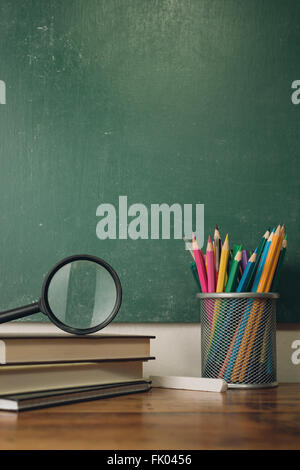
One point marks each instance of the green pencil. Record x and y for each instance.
(236, 248)
(195, 274)
(193, 266)
(232, 278)
(279, 265)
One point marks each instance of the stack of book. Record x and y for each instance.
(37, 372)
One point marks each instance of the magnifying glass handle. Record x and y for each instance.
(20, 312)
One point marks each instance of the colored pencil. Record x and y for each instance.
(193, 268)
(236, 248)
(234, 344)
(216, 319)
(215, 271)
(244, 282)
(223, 265)
(236, 360)
(232, 368)
(218, 248)
(259, 251)
(263, 286)
(269, 261)
(251, 311)
(232, 254)
(228, 268)
(211, 278)
(279, 265)
(240, 273)
(265, 341)
(200, 263)
(229, 352)
(245, 258)
(262, 263)
(188, 245)
(275, 260)
(226, 325)
(230, 287)
(220, 312)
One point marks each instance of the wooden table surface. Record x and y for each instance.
(163, 419)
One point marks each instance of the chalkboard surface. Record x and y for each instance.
(169, 101)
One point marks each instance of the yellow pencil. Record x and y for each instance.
(223, 265)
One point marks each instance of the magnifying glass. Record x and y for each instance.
(81, 294)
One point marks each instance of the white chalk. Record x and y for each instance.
(189, 383)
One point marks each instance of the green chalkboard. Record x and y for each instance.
(163, 101)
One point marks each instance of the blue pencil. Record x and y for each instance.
(244, 282)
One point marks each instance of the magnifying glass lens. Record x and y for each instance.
(82, 294)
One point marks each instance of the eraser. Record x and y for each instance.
(189, 383)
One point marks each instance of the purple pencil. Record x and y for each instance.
(245, 257)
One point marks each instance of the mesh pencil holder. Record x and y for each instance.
(238, 338)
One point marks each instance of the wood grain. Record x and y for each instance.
(163, 419)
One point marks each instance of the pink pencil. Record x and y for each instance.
(211, 278)
(200, 263)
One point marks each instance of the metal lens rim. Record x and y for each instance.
(45, 307)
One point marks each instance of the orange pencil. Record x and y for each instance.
(275, 260)
(269, 261)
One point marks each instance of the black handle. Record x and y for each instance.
(20, 312)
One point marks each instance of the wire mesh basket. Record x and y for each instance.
(238, 338)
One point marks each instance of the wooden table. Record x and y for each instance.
(163, 419)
